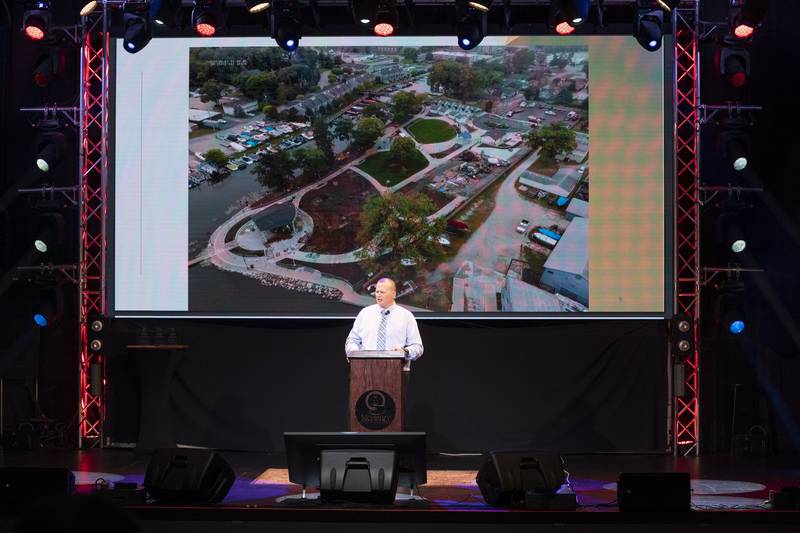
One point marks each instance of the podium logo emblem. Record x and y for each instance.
(375, 409)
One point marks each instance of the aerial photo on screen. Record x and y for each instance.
(463, 176)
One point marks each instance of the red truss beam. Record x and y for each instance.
(686, 434)
(93, 157)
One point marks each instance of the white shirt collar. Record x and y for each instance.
(391, 308)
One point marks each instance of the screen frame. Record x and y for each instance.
(668, 56)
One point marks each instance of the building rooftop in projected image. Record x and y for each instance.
(571, 254)
(578, 208)
(276, 216)
(523, 297)
(562, 183)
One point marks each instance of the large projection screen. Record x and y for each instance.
(525, 178)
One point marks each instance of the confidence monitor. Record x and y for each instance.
(357, 466)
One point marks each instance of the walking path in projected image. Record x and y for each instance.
(227, 255)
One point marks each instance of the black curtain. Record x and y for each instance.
(575, 386)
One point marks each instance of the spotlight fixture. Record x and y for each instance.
(573, 11)
(668, 5)
(731, 303)
(735, 142)
(36, 20)
(206, 17)
(285, 26)
(471, 23)
(385, 18)
(731, 232)
(733, 62)
(137, 31)
(48, 66)
(89, 8)
(558, 21)
(49, 306)
(50, 149)
(564, 28)
(648, 27)
(163, 12)
(49, 233)
(744, 16)
(363, 11)
(256, 6)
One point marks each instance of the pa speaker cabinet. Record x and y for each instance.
(180, 475)
(506, 477)
(22, 486)
(654, 491)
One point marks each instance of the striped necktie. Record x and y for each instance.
(382, 330)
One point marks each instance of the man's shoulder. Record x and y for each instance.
(367, 309)
(403, 311)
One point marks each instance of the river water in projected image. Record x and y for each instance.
(211, 205)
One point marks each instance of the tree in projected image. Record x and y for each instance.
(405, 105)
(275, 170)
(553, 139)
(343, 129)
(403, 151)
(216, 157)
(322, 138)
(367, 132)
(211, 91)
(395, 232)
(313, 164)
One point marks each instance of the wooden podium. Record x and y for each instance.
(376, 391)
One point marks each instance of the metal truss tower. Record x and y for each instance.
(686, 399)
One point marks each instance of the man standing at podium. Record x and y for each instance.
(386, 326)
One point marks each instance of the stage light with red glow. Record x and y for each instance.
(205, 30)
(564, 28)
(384, 29)
(206, 17)
(744, 16)
(33, 32)
(743, 31)
(733, 62)
(36, 20)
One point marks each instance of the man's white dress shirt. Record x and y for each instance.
(401, 332)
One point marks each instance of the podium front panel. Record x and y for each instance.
(376, 395)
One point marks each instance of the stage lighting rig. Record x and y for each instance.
(48, 66)
(207, 17)
(36, 20)
(164, 12)
(744, 16)
(733, 62)
(49, 306)
(363, 11)
(574, 12)
(256, 6)
(471, 23)
(730, 305)
(50, 150)
(386, 19)
(138, 30)
(648, 27)
(49, 234)
(558, 21)
(284, 25)
(89, 8)
(735, 141)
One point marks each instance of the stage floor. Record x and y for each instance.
(726, 490)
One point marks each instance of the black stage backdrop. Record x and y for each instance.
(573, 386)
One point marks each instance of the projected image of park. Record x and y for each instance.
(463, 176)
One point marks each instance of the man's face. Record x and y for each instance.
(384, 294)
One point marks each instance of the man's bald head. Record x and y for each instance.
(385, 291)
